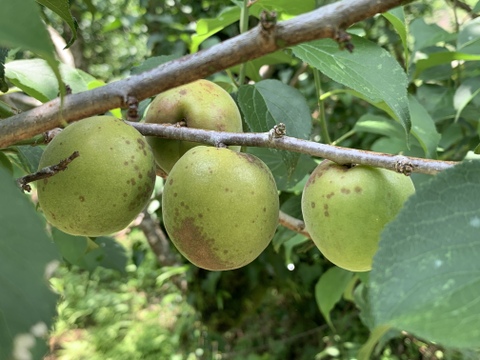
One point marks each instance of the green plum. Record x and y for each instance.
(346, 208)
(220, 207)
(106, 186)
(201, 104)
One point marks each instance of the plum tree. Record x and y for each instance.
(103, 189)
(220, 207)
(201, 104)
(345, 209)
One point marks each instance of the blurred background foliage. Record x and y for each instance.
(160, 307)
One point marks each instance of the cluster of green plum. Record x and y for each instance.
(220, 206)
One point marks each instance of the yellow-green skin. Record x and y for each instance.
(220, 207)
(345, 210)
(103, 189)
(202, 104)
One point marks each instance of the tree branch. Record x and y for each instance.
(325, 22)
(271, 139)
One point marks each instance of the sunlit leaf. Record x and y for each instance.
(379, 80)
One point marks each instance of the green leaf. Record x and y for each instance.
(28, 157)
(21, 26)
(208, 27)
(72, 248)
(287, 7)
(27, 256)
(5, 163)
(476, 8)
(152, 63)
(379, 80)
(425, 275)
(465, 93)
(62, 9)
(423, 128)
(3, 82)
(329, 290)
(88, 254)
(441, 58)
(269, 103)
(36, 78)
(468, 40)
(426, 35)
(397, 18)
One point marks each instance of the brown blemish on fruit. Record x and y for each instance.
(125, 194)
(312, 204)
(200, 216)
(330, 195)
(125, 163)
(170, 182)
(183, 92)
(127, 142)
(140, 175)
(182, 204)
(197, 246)
(133, 182)
(175, 194)
(81, 198)
(345, 191)
(264, 209)
(358, 189)
(227, 190)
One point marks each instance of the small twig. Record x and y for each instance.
(292, 223)
(157, 240)
(45, 172)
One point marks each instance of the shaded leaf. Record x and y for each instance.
(152, 63)
(442, 58)
(425, 276)
(21, 26)
(269, 103)
(3, 82)
(27, 256)
(329, 290)
(62, 9)
(397, 18)
(379, 80)
(426, 35)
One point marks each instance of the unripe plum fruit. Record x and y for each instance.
(201, 104)
(106, 186)
(220, 207)
(346, 208)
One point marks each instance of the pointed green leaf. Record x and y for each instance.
(21, 26)
(423, 128)
(27, 256)
(208, 27)
(62, 9)
(426, 275)
(379, 80)
(397, 18)
(36, 78)
(3, 82)
(329, 290)
(269, 103)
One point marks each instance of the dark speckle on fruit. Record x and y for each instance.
(358, 189)
(81, 198)
(125, 163)
(170, 182)
(127, 142)
(133, 182)
(329, 195)
(345, 191)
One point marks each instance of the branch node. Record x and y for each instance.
(343, 39)
(268, 20)
(132, 105)
(46, 172)
(49, 135)
(404, 165)
(277, 132)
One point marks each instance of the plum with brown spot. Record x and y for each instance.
(352, 206)
(213, 228)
